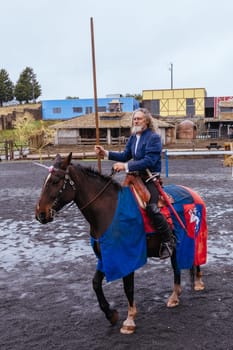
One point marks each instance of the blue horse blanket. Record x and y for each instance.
(123, 245)
(191, 247)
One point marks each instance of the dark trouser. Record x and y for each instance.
(158, 220)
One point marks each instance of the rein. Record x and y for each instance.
(68, 179)
(97, 195)
(113, 172)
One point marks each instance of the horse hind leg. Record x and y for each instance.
(129, 325)
(111, 314)
(196, 278)
(174, 300)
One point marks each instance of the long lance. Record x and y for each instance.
(165, 197)
(95, 89)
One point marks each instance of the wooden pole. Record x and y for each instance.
(95, 91)
(6, 150)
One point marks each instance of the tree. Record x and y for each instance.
(136, 96)
(33, 134)
(24, 128)
(6, 87)
(44, 136)
(27, 87)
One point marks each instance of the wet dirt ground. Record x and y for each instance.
(46, 296)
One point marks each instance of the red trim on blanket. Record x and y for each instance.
(201, 238)
(147, 224)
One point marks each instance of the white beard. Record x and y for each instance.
(136, 129)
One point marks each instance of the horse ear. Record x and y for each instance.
(57, 158)
(66, 161)
(69, 158)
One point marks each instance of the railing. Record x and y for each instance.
(91, 141)
(9, 151)
(121, 140)
(210, 134)
(168, 153)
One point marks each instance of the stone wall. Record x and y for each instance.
(9, 114)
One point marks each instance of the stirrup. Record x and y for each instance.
(166, 249)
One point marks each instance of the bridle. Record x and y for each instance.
(68, 180)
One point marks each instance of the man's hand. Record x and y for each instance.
(119, 166)
(100, 151)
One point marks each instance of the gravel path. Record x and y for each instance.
(46, 296)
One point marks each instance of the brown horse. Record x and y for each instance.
(97, 197)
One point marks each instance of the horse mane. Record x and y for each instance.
(90, 171)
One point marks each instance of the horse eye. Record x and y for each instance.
(55, 180)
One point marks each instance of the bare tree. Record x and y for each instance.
(32, 134)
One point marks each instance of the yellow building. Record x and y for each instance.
(175, 102)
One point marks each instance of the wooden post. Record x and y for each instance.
(95, 91)
(6, 150)
(11, 146)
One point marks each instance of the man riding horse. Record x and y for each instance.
(142, 153)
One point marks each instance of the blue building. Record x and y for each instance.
(70, 108)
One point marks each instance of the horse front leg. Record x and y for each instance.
(111, 314)
(129, 325)
(174, 300)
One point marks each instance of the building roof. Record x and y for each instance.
(106, 120)
(115, 101)
(186, 124)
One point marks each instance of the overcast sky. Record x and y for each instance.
(135, 43)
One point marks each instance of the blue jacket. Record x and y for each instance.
(148, 155)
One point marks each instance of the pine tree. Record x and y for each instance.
(27, 87)
(6, 87)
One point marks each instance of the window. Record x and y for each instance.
(77, 109)
(226, 109)
(190, 102)
(190, 107)
(115, 107)
(57, 110)
(88, 110)
(102, 109)
(155, 107)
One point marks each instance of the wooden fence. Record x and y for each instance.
(9, 151)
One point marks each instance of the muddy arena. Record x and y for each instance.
(46, 296)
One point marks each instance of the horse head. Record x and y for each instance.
(58, 190)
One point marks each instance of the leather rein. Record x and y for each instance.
(68, 180)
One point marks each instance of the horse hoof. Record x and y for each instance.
(127, 329)
(172, 303)
(199, 286)
(114, 317)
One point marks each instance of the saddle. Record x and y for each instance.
(141, 193)
(138, 188)
(142, 196)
